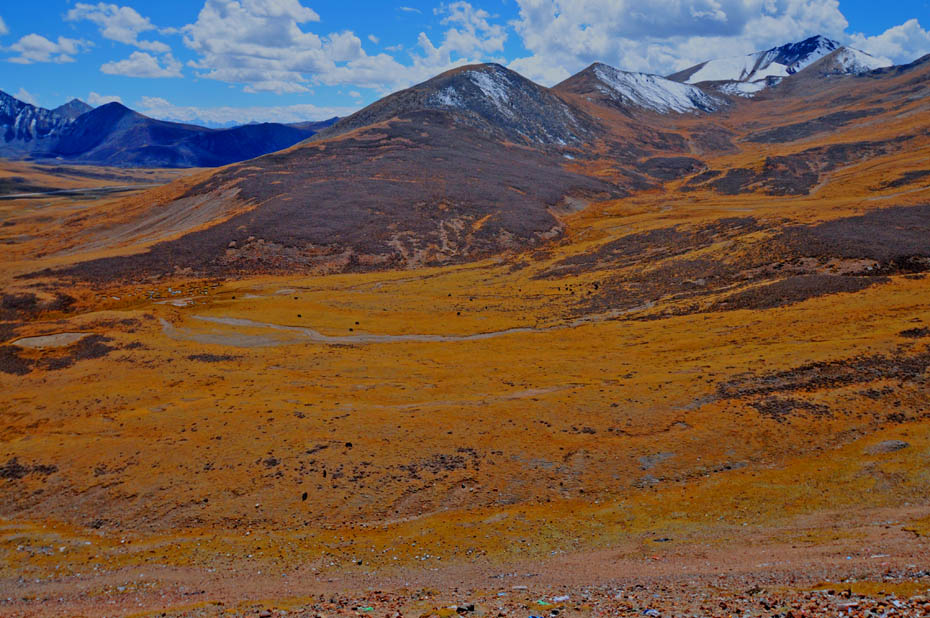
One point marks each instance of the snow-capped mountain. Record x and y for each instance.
(848, 61)
(627, 90)
(487, 97)
(747, 75)
(27, 128)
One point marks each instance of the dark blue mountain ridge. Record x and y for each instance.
(115, 135)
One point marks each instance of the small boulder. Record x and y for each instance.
(888, 446)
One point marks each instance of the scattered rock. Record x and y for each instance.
(888, 446)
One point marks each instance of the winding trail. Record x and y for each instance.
(317, 337)
(299, 334)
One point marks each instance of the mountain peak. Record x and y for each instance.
(846, 61)
(796, 56)
(72, 109)
(626, 89)
(487, 97)
(749, 74)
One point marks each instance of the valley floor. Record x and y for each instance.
(556, 423)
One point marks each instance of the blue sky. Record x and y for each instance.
(224, 61)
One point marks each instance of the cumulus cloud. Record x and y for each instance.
(102, 99)
(265, 45)
(471, 32)
(142, 64)
(117, 23)
(158, 107)
(3, 28)
(259, 43)
(27, 97)
(34, 48)
(902, 44)
(661, 36)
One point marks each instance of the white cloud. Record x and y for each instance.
(408, 9)
(118, 23)
(374, 39)
(102, 99)
(472, 32)
(661, 36)
(540, 69)
(902, 44)
(142, 64)
(27, 97)
(3, 28)
(157, 107)
(36, 48)
(265, 46)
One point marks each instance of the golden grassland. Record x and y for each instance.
(464, 446)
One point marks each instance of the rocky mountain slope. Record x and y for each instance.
(490, 98)
(638, 91)
(25, 128)
(479, 161)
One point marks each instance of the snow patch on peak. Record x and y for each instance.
(854, 61)
(447, 97)
(743, 89)
(797, 56)
(495, 86)
(737, 69)
(654, 92)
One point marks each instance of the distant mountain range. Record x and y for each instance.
(491, 98)
(747, 75)
(115, 135)
(480, 160)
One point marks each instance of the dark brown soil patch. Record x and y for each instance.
(897, 237)
(801, 130)
(13, 470)
(780, 409)
(26, 305)
(213, 358)
(671, 168)
(797, 174)
(700, 179)
(8, 330)
(915, 333)
(12, 363)
(661, 243)
(12, 185)
(735, 182)
(795, 290)
(830, 374)
(906, 179)
(92, 347)
(714, 139)
(19, 304)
